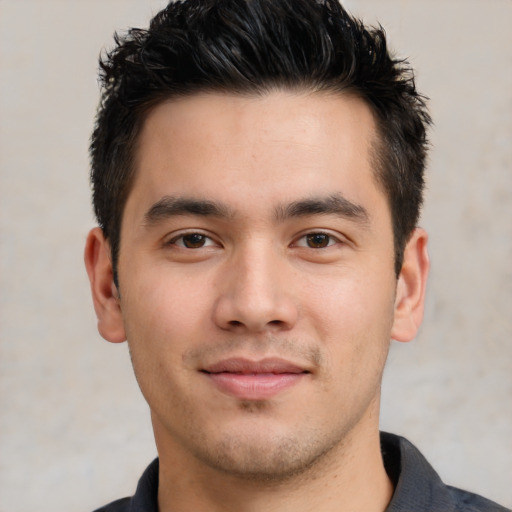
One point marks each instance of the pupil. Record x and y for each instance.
(193, 241)
(318, 240)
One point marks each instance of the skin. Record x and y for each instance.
(262, 275)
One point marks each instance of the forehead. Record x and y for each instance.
(275, 145)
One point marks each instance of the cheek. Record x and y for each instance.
(166, 303)
(161, 323)
(162, 319)
(353, 301)
(353, 318)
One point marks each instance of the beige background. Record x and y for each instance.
(74, 430)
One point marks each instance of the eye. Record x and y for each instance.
(316, 240)
(192, 241)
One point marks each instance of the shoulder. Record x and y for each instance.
(469, 502)
(418, 487)
(145, 497)
(122, 505)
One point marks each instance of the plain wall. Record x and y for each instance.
(74, 429)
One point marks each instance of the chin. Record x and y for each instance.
(265, 458)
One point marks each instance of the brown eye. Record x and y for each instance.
(318, 240)
(193, 241)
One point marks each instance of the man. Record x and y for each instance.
(257, 171)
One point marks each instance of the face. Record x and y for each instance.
(256, 279)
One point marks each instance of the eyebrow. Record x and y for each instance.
(335, 204)
(170, 206)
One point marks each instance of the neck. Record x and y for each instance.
(348, 477)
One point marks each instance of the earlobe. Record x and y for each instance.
(410, 293)
(105, 295)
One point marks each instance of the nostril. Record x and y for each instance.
(237, 323)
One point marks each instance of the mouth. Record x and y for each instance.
(254, 380)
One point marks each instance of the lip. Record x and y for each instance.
(254, 380)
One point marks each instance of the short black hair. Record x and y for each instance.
(252, 47)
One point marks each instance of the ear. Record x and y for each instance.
(105, 295)
(410, 291)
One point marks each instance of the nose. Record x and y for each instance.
(256, 294)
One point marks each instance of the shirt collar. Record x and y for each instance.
(417, 485)
(146, 496)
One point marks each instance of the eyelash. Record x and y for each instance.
(308, 237)
(181, 237)
(331, 239)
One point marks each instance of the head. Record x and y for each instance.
(250, 48)
(257, 172)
